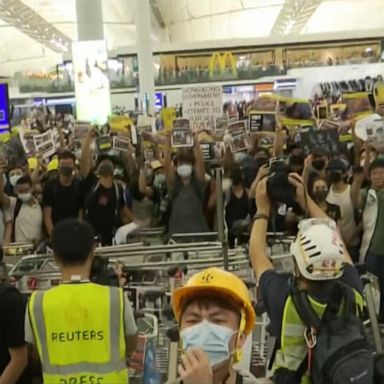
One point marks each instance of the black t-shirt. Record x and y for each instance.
(101, 209)
(276, 287)
(12, 314)
(66, 202)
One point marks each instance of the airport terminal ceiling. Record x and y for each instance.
(36, 33)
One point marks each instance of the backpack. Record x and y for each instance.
(16, 212)
(340, 352)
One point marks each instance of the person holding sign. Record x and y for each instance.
(104, 204)
(186, 184)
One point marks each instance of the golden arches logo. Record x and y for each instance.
(220, 60)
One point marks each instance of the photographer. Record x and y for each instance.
(309, 275)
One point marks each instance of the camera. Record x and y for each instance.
(279, 189)
(102, 273)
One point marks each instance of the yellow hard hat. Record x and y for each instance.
(219, 282)
(53, 165)
(156, 164)
(32, 163)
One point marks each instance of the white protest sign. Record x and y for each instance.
(45, 144)
(202, 105)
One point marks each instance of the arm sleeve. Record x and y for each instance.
(48, 195)
(13, 309)
(129, 320)
(9, 212)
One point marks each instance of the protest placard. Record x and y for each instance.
(221, 124)
(375, 134)
(81, 129)
(119, 123)
(168, 116)
(181, 134)
(262, 121)
(121, 143)
(201, 105)
(104, 143)
(327, 140)
(45, 144)
(213, 151)
(239, 137)
(26, 139)
(357, 104)
(329, 124)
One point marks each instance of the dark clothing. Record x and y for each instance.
(66, 202)
(12, 314)
(235, 210)
(276, 287)
(102, 208)
(333, 211)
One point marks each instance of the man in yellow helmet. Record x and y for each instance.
(215, 315)
(82, 331)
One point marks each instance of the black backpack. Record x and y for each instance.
(341, 353)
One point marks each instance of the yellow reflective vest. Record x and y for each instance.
(293, 348)
(79, 334)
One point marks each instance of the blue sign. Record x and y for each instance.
(4, 107)
(159, 100)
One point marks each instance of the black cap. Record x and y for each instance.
(337, 165)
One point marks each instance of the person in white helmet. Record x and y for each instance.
(320, 258)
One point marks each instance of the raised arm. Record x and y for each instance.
(143, 188)
(278, 142)
(199, 160)
(85, 159)
(5, 201)
(168, 167)
(358, 178)
(258, 241)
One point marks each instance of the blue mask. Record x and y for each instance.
(213, 339)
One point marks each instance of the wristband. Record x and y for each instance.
(259, 216)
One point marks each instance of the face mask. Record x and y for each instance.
(105, 170)
(158, 180)
(65, 170)
(24, 197)
(239, 157)
(213, 339)
(318, 164)
(184, 170)
(335, 177)
(14, 179)
(227, 184)
(320, 195)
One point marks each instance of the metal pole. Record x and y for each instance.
(220, 215)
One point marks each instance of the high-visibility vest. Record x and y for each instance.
(79, 334)
(293, 348)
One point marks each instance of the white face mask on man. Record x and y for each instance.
(184, 170)
(25, 197)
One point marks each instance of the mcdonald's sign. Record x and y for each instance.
(222, 63)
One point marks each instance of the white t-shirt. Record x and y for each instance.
(5, 217)
(347, 222)
(29, 221)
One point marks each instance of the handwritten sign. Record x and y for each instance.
(201, 105)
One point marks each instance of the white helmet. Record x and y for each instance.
(318, 250)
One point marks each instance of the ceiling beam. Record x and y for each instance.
(29, 22)
(294, 15)
(157, 13)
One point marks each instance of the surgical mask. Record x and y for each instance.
(239, 157)
(65, 170)
(25, 197)
(213, 339)
(158, 180)
(227, 184)
(320, 195)
(14, 179)
(184, 170)
(105, 170)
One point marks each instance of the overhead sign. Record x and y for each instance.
(159, 100)
(202, 105)
(4, 107)
(90, 64)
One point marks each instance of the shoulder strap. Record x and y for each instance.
(304, 309)
(16, 212)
